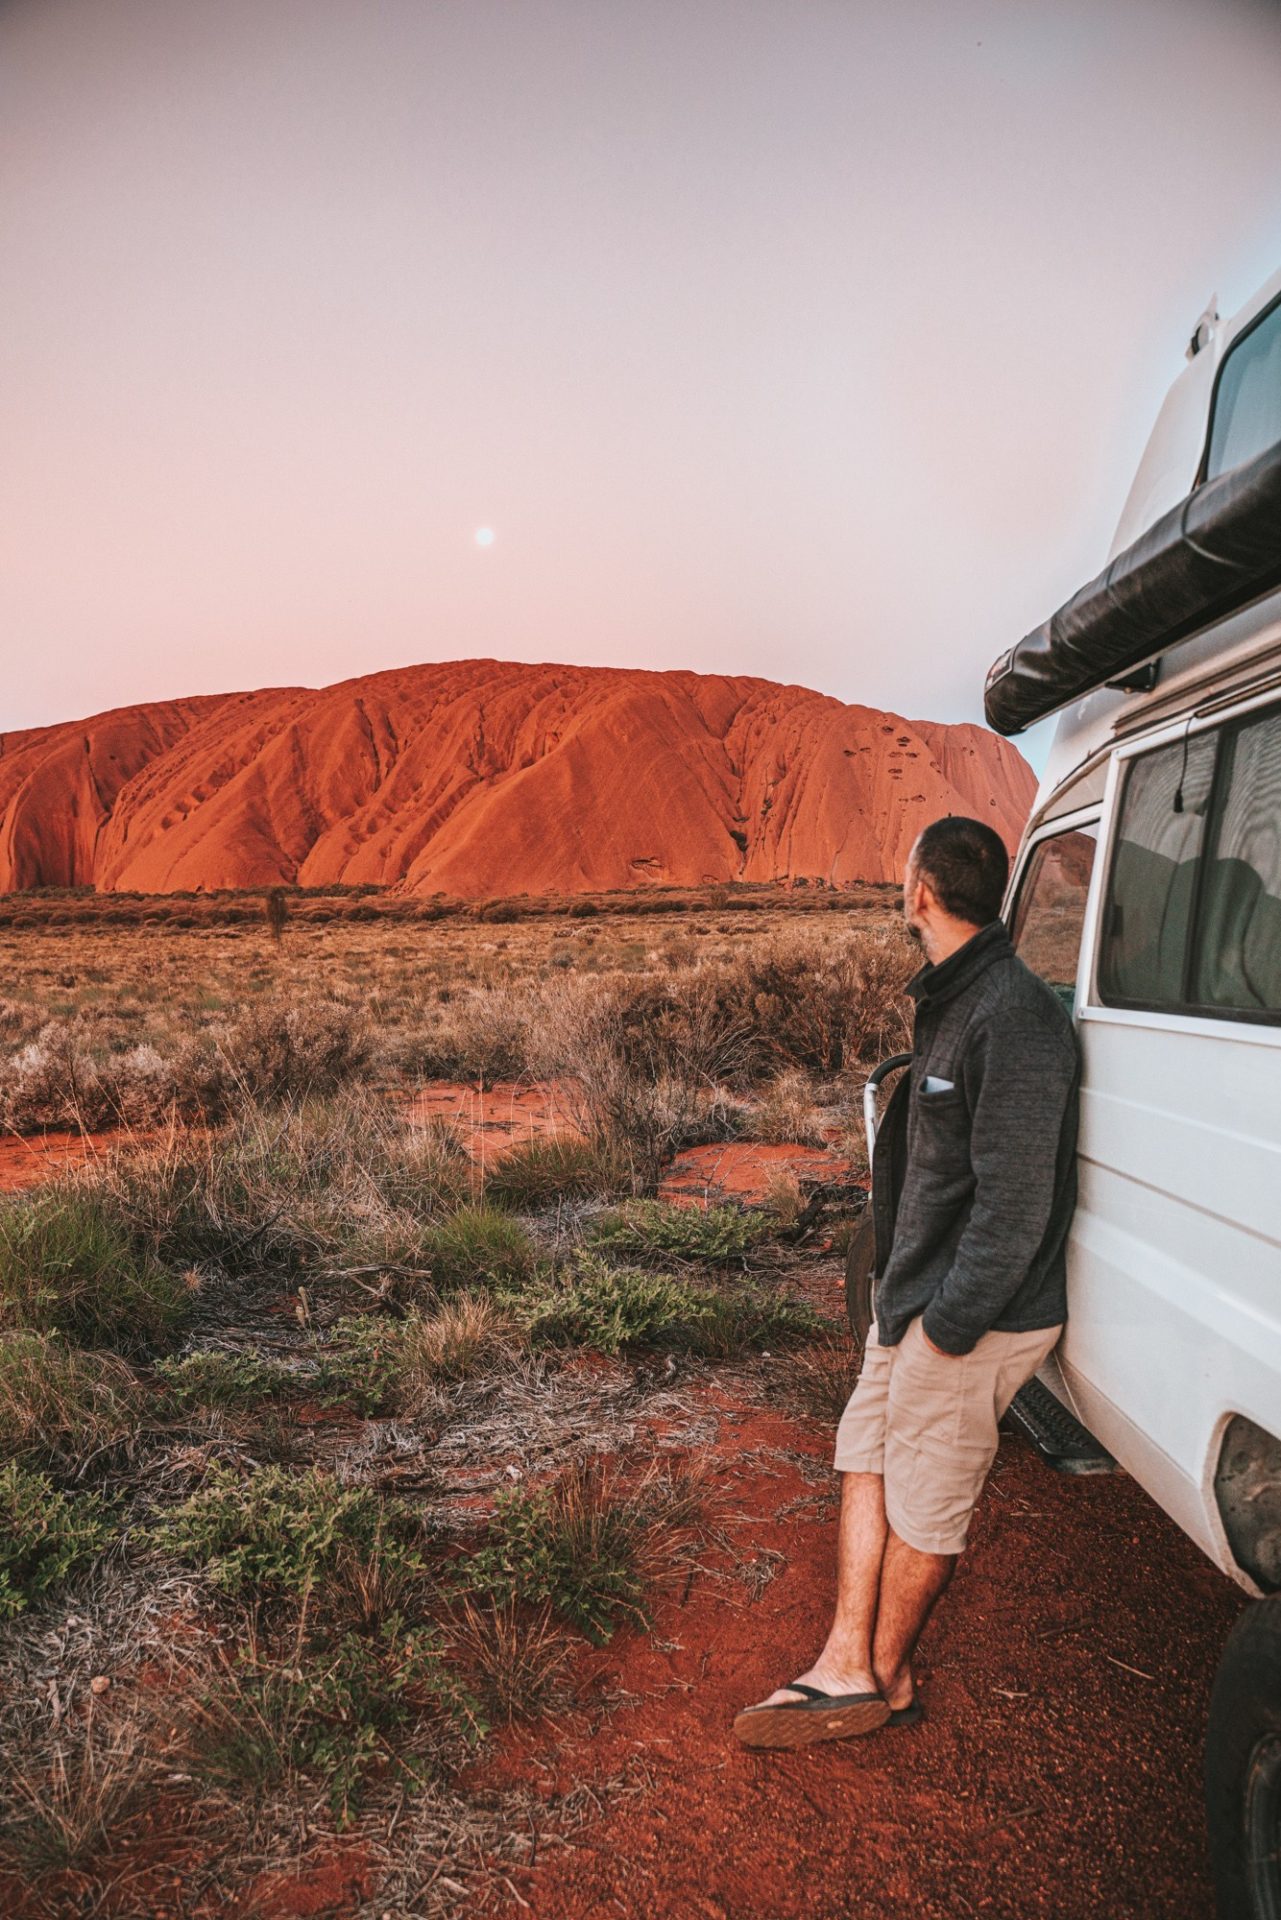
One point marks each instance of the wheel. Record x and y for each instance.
(858, 1277)
(1243, 1768)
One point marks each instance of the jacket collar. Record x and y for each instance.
(934, 985)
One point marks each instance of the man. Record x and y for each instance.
(973, 1191)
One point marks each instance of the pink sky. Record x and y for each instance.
(817, 341)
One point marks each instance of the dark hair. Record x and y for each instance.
(966, 864)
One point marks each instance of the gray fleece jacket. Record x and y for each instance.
(974, 1173)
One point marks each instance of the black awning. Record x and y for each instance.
(1217, 550)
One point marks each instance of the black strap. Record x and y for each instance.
(811, 1693)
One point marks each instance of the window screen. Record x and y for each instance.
(1238, 957)
(1150, 893)
(1051, 909)
(1247, 405)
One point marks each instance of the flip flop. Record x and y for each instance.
(908, 1716)
(818, 1716)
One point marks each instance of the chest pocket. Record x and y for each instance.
(941, 1134)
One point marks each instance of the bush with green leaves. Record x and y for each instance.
(69, 1265)
(337, 1709)
(277, 1533)
(60, 1401)
(591, 1303)
(656, 1230)
(45, 1536)
(227, 1382)
(362, 1364)
(586, 1544)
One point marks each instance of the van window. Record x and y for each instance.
(1050, 910)
(1247, 403)
(1238, 946)
(1148, 911)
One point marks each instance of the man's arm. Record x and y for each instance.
(1018, 1077)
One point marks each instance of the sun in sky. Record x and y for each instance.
(484, 536)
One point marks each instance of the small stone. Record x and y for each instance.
(99, 1683)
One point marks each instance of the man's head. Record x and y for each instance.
(955, 882)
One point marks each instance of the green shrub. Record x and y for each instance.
(69, 1265)
(479, 1246)
(338, 1710)
(278, 1533)
(364, 1366)
(59, 1400)
(45, 1536)
(593, 1304)
(550, 1167)
(606, 1308)
(585, 1544)
(654, 1230)
(227, 1381)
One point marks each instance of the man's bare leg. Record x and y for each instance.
(911, 1582)
(845, 1664)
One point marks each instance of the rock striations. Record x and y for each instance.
(485, 777)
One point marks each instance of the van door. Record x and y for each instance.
(1174, 1273)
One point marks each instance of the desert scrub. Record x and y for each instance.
(513, 1656)
(338, 1708)
(481, 1036)
(332, 1185)
(362, 1364)
(587, 1545)
(60, 1402)
(461, 1337)
(295, 1051)
(785, 1112)
(277, 1533)
(70, 1265)
(45, 1536)
(819, 1377)
(551, 1167)
(225, 1382)
(653, 1230)
(478, 1246)
(607, 1308)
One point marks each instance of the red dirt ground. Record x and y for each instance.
(1057, 1776)
(26, 1161)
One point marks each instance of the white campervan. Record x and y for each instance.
(1147, 890)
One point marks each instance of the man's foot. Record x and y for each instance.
(800, 1715)
(901, 1694)
(831, 1680)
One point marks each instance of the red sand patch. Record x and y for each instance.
(502, 1116)
(27, 1160)
(743, 1169)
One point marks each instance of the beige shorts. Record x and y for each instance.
(927, 1421)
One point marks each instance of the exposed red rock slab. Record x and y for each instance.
(483, 777)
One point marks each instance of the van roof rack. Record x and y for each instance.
(1206, 558)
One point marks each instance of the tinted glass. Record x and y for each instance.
(1238, 962)
(1150, 889)
(1247, 406)
(1051, 909)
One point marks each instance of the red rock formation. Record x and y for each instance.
(482, 777)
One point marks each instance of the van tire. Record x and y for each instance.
(1243, 1768)
(859, 1262)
